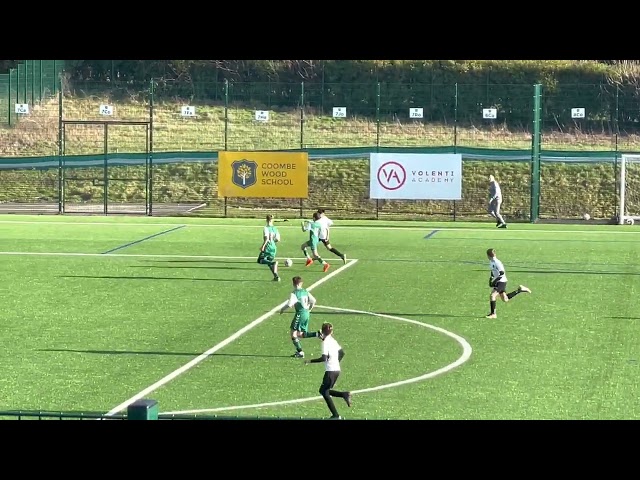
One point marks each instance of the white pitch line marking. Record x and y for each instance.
(141, 255)
(220, 345)
(466, 354)
(613, 228)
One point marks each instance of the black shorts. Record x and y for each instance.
(329, 380)
(500, 287)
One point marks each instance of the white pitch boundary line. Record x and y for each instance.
(614, 228)
(220, 345)
(466, 354)
(142, 255)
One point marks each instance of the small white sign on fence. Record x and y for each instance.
(188, 111)
(106, 110)
(262, 116)
(416, 112)
(22, 108)
(339, 112)
(489, 113)
(577, 113)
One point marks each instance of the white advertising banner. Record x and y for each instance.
(415, 176)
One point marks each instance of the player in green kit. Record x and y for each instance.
(313, 228)
(267, 256)
(303, 302)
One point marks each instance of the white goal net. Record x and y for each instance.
(629, 189)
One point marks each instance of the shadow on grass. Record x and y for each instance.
(205, 260)
(485, 262)
(213, 267)
(186, 354)
(435, 315)
(570, 272)
(115, 277)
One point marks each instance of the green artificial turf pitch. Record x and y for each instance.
(87, 330)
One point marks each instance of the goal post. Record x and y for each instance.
(629, 189)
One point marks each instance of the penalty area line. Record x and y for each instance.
(187, 366)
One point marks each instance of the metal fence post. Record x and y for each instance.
(377, 137)
(535, 154)
(33, 81)
(60, 151)
(41, 92)
(9, 100)
(378, 117)
(301, 115)
(226, 116)
(455, 119)
(616, 127)
(151, 115)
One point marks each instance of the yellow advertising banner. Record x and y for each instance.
(263, 174)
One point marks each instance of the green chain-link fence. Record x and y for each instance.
(156, 157)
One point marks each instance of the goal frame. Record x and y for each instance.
(623, 218)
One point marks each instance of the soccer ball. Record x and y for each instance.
(288, 262)
(586, 216)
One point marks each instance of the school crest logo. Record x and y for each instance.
(244, 173)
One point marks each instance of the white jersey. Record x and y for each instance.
(330, 348)
(497, 267)
(266, 233)
(325, 223)
(494, 190)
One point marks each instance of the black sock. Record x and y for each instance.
(310, 334)
(336, 393)
(493, 306)
(513, 294)
(272, 268)
(333, 250)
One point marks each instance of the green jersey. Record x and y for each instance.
(314, 231)
(272, 235)
(301, 300)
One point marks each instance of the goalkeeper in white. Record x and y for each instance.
(495, 202)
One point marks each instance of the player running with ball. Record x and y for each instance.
(498, 283)
(326, 224)
(313, 228)
(268, 251)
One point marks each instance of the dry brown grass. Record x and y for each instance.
(37, 133)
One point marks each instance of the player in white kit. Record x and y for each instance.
(498, 283)
(332, 355)
(326, 224)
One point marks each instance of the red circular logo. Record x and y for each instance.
(391, 175)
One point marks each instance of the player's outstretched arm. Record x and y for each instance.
(321, 359)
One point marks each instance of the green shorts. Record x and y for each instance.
(300, 322)
(312, 244)
(267, 258)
